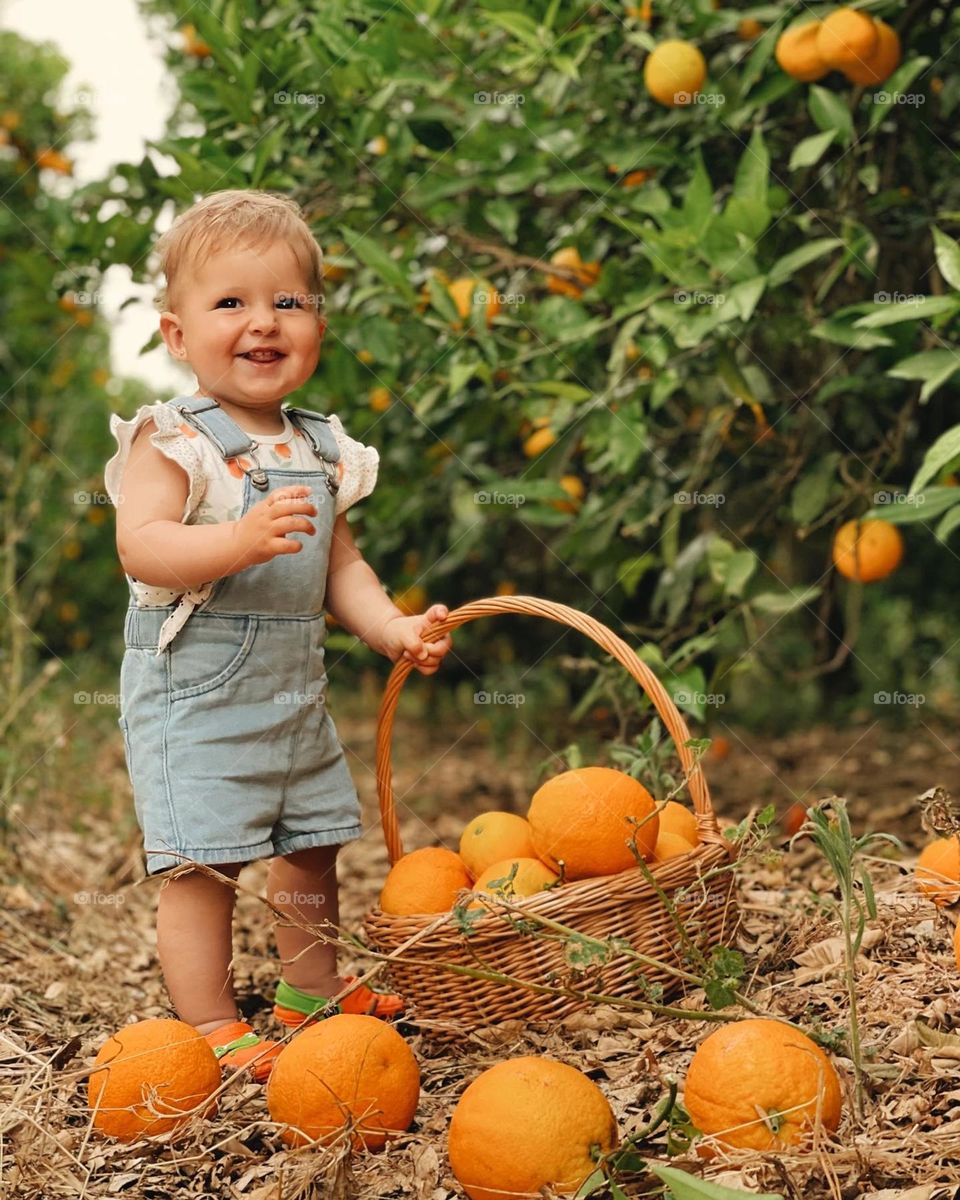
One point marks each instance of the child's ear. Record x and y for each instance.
(321, 327)
(172, 333)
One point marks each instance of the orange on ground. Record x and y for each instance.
(467, 291)
(720, 748)
(159, 1064)
(344, 1069)
(847, 38)
(671, 845)
(677, 818)
(867, 550)
(938, 870)
(525, 1123)
(749, 29)
(760, 1084)
(798, 54)
(587, 273)
(588, 819)
(538, 441)
(793, 818)
(674, 72)
(882, 63)
(425, 881)
(531, 876)
(493, 836)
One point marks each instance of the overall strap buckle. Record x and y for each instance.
(205, 415)
(315, 427)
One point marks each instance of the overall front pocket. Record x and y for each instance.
(207, 652)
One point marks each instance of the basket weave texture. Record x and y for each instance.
(436, 970)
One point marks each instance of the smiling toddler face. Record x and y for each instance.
(244, 321)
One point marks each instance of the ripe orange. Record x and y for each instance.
(588, 819)
(531, 876)
(526, 1123)
(671, 845)
(760, 1085)
(467, 291)
(411, 600)
(847, 38)
(867, 550)
(493, 836)
(882, 63)
(574, 487)
(161, 1065)
(538, 441)
(380, 399)
(192, 44)
(425, 881)
(798, 53)
(674, 72)
(677, 818)
(587, 273)
(938, 870)
(749, 29)
(345, 1069)
(334, 272)
(794, 818)
(636, 178)
(53, 160)
(365, 357)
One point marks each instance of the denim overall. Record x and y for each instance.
(231, 751)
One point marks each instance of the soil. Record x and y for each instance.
(77, 960)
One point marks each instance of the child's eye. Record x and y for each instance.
(227, 300)
(288, 302)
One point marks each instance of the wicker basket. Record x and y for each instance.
(437, 969)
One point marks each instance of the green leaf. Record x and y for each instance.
(894, 86)
(830, 112)
(915, 308)
(779, 603)
(948, 257)
(503, 216)
(596, 1181)
(374, 256)
(949, 523)
(690, 1187)
(753, 169)
(814, 489)
(698, 200)
(523, 28)
(935, 367)
(566, 391)
(811, 149)
(741, 300)
(842, 333)
(921, 507)
(943, 451)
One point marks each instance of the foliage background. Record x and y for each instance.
(752, 341)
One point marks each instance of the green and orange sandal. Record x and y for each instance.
(237, 1043)
(292, 1007)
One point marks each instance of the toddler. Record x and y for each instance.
(232, 532)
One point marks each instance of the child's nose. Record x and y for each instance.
(262, 318)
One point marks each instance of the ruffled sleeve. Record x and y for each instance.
(359, 467)
(172, 437)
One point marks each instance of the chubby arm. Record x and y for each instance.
(156, 548)
(355, 596)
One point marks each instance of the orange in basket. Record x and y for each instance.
(458, 974)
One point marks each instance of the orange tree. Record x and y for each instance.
(702, 336)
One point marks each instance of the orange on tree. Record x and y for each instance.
(492, 836)
(847, 38)
(636, 178)
(880, 65)
(53, 160)
(677, 818)
(574, 487)
(412, 600)
(334, 272)
(347, 1070)
(526, 1123)
(424, 881)
(365, 357)
(938, 870)
(587, 273)
(161, 1065)
(193, 44)
(377, 145)
(466, 292)
(867, 550)
(759, 1084)
(797, 52)
(380, 399)
(671, 845)
(674, 72)
(538, 441)
(592, 820)
(513, 877)
(749, 29)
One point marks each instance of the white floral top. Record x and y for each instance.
(216, 486)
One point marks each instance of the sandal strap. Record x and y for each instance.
(240, 1043)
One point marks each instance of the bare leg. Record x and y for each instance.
(195, 946)
(304, 885)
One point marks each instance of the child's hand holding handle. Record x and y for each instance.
(402, 639)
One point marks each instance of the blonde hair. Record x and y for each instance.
(232, 219)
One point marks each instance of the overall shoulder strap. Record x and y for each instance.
(316, 429)
(206, 415)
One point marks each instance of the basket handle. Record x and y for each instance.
(562, 613)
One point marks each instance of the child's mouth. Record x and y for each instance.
(263, 358)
